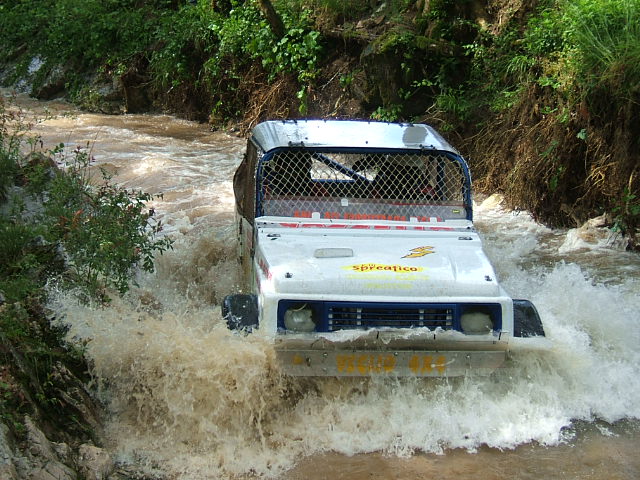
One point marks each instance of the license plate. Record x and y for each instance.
(375, 364)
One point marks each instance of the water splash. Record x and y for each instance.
(185, 393)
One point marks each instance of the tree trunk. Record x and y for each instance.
(275, 22)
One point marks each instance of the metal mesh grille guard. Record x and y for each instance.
(356, 186)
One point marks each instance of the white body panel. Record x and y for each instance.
(375, 264)
(383, 263)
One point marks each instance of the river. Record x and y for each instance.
(186, 399)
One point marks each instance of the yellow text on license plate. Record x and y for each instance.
(372, 363)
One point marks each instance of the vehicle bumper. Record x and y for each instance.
(403, 363)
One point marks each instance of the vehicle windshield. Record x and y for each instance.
(416, 186)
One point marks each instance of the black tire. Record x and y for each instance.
(240, 311)
(526, 321)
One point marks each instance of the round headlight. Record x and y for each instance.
(299, 318)
(476, 323)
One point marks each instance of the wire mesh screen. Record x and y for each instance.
(401, 186)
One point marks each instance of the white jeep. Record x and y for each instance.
(359, 255)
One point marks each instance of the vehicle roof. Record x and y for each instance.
(347, 134)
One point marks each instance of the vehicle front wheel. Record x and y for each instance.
(240, 311)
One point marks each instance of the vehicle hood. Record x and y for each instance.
(387, 263)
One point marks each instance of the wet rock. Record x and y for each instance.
(369, 23)
(26, 82)
(37, 242)
(114, 94)
(95, 463)
(136, 95)
(43, 462)
(63, 451)
(149, 302)
(41, 80)
(53, 84)
(39, 161)
(598, 222)
(103, 95)
(39, 445)
(383, 73)
(7, 468)
(74, 396)
(492, 201)
(52, 471)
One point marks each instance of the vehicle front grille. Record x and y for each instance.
(331, 316)
(346, 317)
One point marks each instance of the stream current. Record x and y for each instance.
(186, 399)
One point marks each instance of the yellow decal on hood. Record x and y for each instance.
(378, 267)
(419, 252)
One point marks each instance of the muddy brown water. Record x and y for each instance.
(188, 400)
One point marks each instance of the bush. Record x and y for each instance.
(245, 36)
(80, 36)
(606, 36)
(106, 231)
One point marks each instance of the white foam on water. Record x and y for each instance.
(592, 238)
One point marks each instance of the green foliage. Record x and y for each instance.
(57, 225)
(182, 40)
(504, 63)
(7, 173)
(627, 213)
(399, 41)
(84, 34)
(390, 113)
(582, 134)
(454, 101)
(246, 34)
(545, 32)
(10, 404)
(346, 80)
(104, 230)
(200, 45)
(606, 39)
(571, 47)
(556, 177)
(21, 263)
(195, 47)
(15, 132)
(338, 10)
(505, 99)
(440, 9)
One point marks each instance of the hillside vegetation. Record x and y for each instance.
(540, 95)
